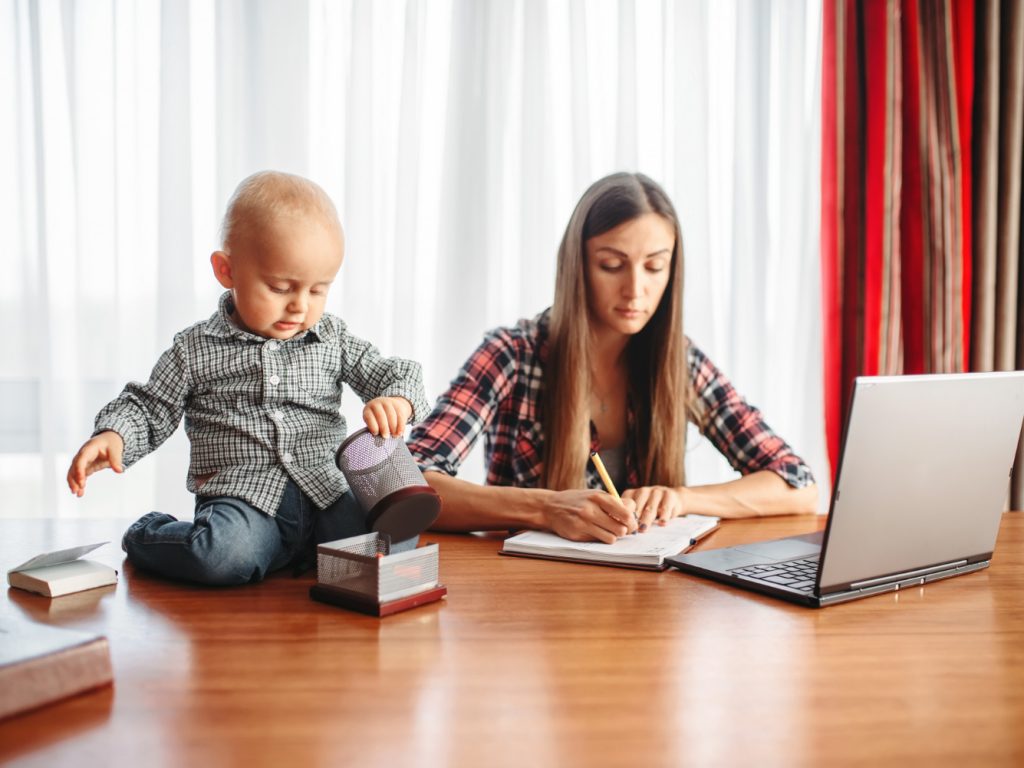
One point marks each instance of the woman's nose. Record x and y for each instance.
(633, 283)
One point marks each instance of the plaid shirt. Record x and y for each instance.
(497, 393)
(257, 410)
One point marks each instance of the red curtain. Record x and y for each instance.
(897, 95)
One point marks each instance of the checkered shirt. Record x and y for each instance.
(497, 394)
(258, 411)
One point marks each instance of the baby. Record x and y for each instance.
(259, 384)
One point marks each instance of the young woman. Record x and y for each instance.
(608, 369)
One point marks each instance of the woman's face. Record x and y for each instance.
(628, 269)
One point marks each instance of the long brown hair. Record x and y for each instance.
(659, 383)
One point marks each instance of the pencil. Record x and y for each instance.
(608, 484)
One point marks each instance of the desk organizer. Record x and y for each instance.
(361, 574)
(388, 485)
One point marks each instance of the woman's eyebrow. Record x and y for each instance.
(616, 251)
(625, 255)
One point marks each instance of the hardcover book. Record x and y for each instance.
(40, 664)
(61, 573)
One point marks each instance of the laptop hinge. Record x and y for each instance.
(907, 574)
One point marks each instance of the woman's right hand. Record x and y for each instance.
(588, 515)
(104, 450)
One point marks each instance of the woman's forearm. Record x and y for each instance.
(467, 506)
(755, 495)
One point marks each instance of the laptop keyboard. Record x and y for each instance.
(795, 574)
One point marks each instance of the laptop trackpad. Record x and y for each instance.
(784, 549)
(730, 558)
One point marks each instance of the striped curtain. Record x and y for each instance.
(922, 160)
(997, 320)
(897, 95)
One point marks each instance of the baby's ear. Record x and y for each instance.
(222, 269)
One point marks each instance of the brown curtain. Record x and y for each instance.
(997, 331)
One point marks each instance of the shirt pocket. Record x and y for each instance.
(528, 455)
(317, 376)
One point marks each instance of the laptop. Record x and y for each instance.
(922, 482)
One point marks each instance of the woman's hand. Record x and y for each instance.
(657, 504)
(104, 450)
(588, 515)
(755, 495)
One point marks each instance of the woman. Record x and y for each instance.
(607, 368)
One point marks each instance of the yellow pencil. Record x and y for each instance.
(608, 484)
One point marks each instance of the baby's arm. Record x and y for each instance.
(391, 387)
(137, 421)
(104, 450)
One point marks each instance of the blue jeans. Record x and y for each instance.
(231, 542)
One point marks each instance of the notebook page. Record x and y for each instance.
(656, 542)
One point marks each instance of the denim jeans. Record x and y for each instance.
(230, 542)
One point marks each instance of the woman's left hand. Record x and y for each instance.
(656, 504)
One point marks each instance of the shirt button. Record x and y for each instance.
(275, 379)
(286, 458)
(272, 346)
(278, 415)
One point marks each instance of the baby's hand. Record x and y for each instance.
(104, 450)
(386, 416)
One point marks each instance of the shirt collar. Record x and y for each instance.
(221, 324)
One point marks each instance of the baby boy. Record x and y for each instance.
(259, 384)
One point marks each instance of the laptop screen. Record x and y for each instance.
(924, 473)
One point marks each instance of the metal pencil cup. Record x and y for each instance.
(388, 485)
(364, 567)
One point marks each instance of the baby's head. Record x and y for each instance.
(281, 248)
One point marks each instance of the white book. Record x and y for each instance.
(40, 664)
(61, 573)
(641, 550)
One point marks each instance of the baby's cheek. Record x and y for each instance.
(313, 317)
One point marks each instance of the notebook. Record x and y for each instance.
(920, 491)
(646, 550)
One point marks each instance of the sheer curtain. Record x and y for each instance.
(455, 138)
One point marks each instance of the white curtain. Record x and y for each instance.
(455, 137)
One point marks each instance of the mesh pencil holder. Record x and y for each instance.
(363, 567)
(388, 485)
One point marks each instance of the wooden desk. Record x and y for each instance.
(530, 663)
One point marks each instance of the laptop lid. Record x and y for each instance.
(923, 475)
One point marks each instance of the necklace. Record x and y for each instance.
(602, 398)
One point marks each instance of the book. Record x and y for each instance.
(61, 573)
(40, 664)
(646, 550)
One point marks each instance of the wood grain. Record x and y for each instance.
(529, 662)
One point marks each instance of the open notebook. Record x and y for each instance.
(646, 550)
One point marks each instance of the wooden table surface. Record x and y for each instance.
(529, 662)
